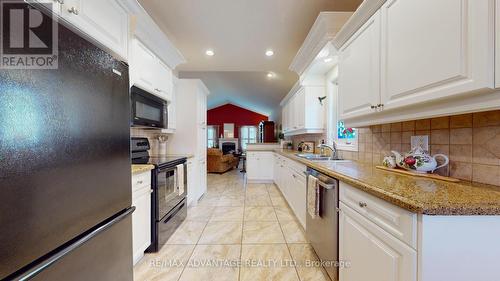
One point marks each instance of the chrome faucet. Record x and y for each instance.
(332, 148)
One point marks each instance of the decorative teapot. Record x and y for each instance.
(417, 160)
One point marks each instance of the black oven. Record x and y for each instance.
(168, 201)
(168, 189)
(147, 109)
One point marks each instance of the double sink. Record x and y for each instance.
(319, 158)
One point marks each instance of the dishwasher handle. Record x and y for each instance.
(325, 185)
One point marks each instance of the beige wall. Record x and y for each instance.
(472, 142)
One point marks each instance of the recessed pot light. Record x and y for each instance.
(210, 52)
(270, 75)
(269, 53)
(328, 59)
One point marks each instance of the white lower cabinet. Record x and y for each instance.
(290, 179)
(141, 217)
(202, 170)
(288, 175)
(372, 253)
(260, 166)
(192, 182)
(297, 195)
(196, 180)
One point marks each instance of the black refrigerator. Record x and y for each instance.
(65, 180)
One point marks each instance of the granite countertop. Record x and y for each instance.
(415, 194)
(137, 169)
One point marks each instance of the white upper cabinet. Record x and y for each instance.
(418, 59)
(497, 44)
(172, 108)
(148, 72)
(359, 71)
(142, 74)
(299, 106)
(284, 118)
(434, 49)
(104, 21)
(302, 112)
(164, 80)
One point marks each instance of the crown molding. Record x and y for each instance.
(145, 28)
(362, 15)
(296, 87)
(324, 29)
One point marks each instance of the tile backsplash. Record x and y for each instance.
(152, 135)
(471, 141)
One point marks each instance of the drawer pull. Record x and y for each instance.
(362, 204)
(139, 182)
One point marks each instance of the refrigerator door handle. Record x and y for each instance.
(32, 272)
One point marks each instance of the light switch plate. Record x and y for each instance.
(420, 141)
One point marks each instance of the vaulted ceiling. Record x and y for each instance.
(239, 32)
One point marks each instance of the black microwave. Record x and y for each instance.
(147, 109)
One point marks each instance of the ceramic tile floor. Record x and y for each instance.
(236, 232)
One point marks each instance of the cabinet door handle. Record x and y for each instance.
(362, 204)
(73, 10)
(373, 106)
(139, 182)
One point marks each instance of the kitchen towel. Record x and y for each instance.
(313, 196)
(180, 178)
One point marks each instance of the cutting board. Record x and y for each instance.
(429, 176)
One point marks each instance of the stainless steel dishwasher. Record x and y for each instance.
(322, 230)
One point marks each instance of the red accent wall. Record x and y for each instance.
(230, 113)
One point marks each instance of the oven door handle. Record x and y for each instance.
(174, 212)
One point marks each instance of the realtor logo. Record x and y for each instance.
(28, 37)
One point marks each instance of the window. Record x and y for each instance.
(346, 138)
(211, 136)
(248, 134)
